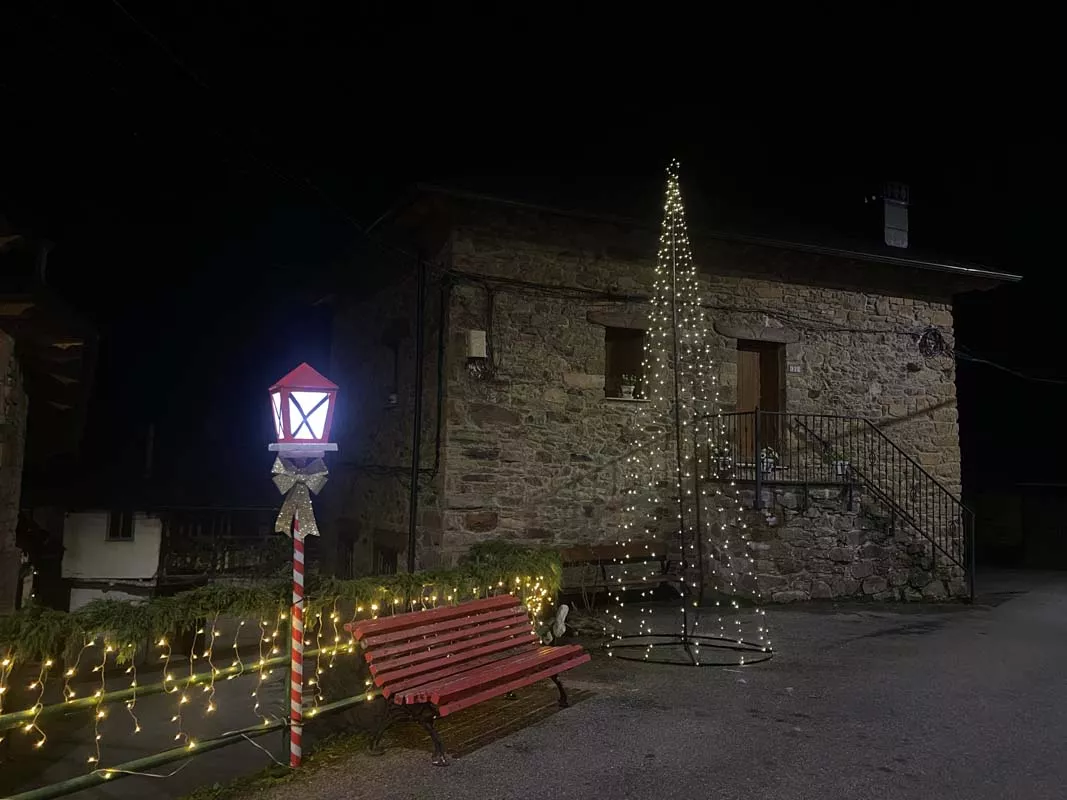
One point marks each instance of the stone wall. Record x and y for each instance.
(819, 543)
(13, 407)
(368, 499)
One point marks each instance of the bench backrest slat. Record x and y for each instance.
(368, 627)
(441, 629)
(450, 641)
(410, 649)
(607, 553)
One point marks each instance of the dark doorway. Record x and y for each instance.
(624, 353)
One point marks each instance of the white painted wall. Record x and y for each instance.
(89, 555)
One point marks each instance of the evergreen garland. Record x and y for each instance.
(35, 633)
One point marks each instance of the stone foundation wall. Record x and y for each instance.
(13, 408)
(821, 543)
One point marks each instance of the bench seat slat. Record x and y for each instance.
(395, 686)
(444, 689)
(515, 621)
(555, 668)
(369, 627)
(439, 627)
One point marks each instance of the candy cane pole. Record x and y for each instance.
(296, 660)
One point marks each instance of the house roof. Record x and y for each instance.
(799, 237)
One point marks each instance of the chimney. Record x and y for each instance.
(896, 197)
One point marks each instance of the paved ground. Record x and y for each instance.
(883, 703)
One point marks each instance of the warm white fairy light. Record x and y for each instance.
(261, 666)
(100, 713)
(7, 664)
(678, 448)
(235, 646)
(209, 651)
(316, 681)
(335, 621)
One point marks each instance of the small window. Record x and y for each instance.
(624, 352)
(120, 526)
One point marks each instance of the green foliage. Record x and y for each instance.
(37, 633)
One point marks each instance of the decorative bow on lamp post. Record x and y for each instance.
(298, 484)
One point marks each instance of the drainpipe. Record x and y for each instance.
(42, 261)
(416, 433)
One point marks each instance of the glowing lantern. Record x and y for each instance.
(302, 404)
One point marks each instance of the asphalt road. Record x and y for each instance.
(861, 702)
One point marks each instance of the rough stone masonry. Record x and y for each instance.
(13, 406)
(534, 451)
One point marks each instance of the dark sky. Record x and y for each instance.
(200, 170)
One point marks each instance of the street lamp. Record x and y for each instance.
(302, 405)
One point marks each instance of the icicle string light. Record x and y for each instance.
(209, 707)
(7, 663)
(100, 711)
(38, 706)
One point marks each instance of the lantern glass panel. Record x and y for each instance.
(276, 402)
(307, 414)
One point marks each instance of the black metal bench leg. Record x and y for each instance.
(563, 703)
(376, 748)
(439, 757)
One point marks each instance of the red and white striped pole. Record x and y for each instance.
(296, 660)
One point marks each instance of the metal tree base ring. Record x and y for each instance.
(689, 651)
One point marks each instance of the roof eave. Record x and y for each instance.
(976, 272)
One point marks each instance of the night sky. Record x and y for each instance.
(203, 171)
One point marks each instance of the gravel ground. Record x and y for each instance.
(861, 702)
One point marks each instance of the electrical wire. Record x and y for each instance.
(962, 355)
(938, 347)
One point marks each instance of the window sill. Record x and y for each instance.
(625, 400)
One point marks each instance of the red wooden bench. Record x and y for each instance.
(429, 664)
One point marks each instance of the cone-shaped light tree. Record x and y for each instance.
(680, 490)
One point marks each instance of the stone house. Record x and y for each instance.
(508, 348)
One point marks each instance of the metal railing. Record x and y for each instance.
(767, 447)
(208, 543)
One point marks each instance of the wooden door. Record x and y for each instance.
(760, 384)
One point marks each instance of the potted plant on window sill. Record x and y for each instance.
(629, 383)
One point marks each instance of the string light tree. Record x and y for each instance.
(681, 490)
(302, 404)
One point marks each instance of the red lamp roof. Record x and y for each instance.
(304, 377)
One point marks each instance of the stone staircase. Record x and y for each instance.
(838, 542)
